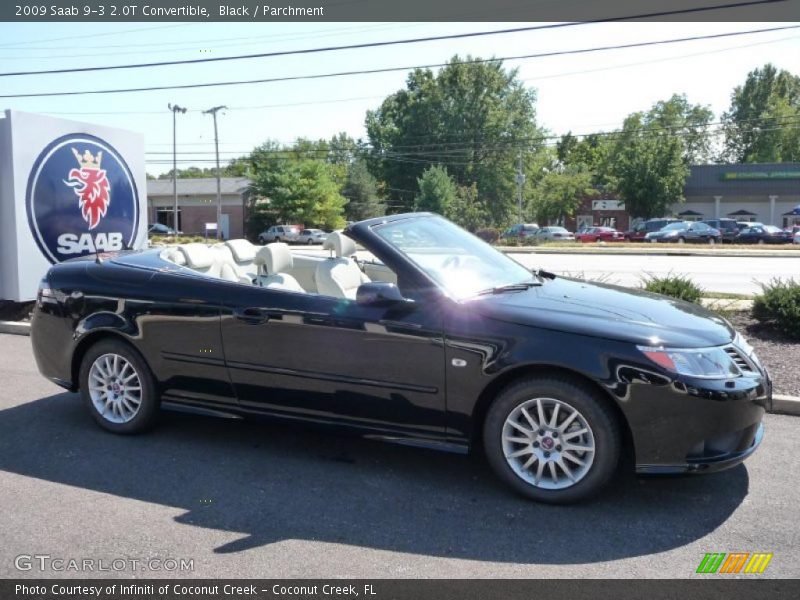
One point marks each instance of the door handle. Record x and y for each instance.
(253, 315)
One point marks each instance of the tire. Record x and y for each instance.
(761, 242)
(310, 242)
(681, 241)
(127, 417)
(277, 239)
(711, 241)
(594, 413)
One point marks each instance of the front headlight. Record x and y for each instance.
(705, 363)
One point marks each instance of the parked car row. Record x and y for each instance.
(292, 234)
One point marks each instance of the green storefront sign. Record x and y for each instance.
(738, 175)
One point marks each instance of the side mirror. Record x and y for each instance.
(378, 293)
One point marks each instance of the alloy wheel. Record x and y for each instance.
(548, 443)
(115, 388)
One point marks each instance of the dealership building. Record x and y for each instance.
(197, 204)
(764, 193)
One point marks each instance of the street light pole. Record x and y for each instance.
(175, 110)
(213, 113)
(520, 183)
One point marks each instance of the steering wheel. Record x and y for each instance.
(451, 262)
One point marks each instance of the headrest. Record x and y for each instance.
(276, 258)
(172, 254)
(243, 251)
(198, 256)
(340, 244)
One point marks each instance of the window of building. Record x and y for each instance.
(608, 222)
(166, 216)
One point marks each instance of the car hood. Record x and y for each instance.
(607, 311)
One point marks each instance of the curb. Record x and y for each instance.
(15, 327)
(785, 405)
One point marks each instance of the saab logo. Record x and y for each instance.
(735, 562)
(81, 199)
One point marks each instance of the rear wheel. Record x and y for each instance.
(711, 241)
(310, 241)
(761, 242)
(552, 439)
(118, 387)
(277, 239)
(681, 240)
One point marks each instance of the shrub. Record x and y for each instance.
(675, 286)
(778, 304)
(488, 234)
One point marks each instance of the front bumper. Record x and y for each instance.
(710, 464)
(695, 426)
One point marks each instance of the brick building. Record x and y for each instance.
(197, 204)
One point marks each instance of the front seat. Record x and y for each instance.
(339, 276)
(273, 262)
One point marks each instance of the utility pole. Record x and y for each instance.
(213, 112)
(520, 183)
(175, 110)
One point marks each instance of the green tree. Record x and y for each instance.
(467, 210)
(471, 117)
(361, 191)
(593, 152)
(761, 123)
(690, 122)
(437, 191)
(560, 192)
(299, 191)
(649, 168)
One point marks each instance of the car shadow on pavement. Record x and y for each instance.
(272, 482)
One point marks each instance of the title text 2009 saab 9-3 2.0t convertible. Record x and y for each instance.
(439, 341)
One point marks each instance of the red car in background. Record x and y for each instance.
(597, 234)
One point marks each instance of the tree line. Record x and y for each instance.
(454, 141)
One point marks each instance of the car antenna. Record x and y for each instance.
(97, 258)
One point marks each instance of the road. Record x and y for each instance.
(729, 274)
(248, 500)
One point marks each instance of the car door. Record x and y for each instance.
(323, 358)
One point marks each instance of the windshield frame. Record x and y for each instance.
(526, 275)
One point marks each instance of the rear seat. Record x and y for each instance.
(235, 260)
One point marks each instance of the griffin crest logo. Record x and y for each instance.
(90, 184)
(69, 196)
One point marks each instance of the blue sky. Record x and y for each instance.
(582, 93)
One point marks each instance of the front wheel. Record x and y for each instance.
(553, 440)
(118, 388)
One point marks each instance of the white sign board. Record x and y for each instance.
(211, 226)
(608, 205)
(67, 189)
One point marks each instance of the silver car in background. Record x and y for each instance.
(553, 234)
(311, 236)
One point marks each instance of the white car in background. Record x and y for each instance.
(553, 234)
(311, 236)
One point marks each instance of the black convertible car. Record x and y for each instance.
(439, 341)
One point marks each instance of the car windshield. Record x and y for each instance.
(462, 264)
(674, 226)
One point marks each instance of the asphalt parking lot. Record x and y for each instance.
(251, 500)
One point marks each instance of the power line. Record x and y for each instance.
(94, 35)
(381, 44)
(404, 68)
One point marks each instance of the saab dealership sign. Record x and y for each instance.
(66, 190)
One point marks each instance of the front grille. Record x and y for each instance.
(742, 362)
